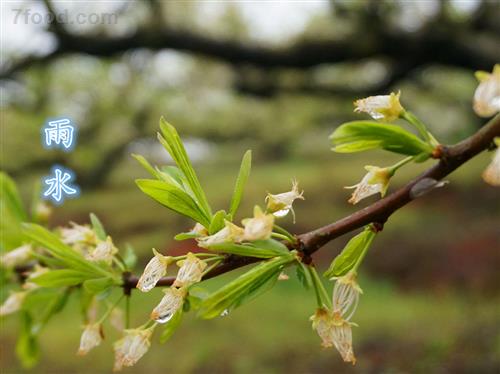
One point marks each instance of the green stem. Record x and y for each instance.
(420, 126)
(110, 309)
(321, 295)
(363, 254)
(281, 236)
(127, 312)
(211, 267)
(396, 166)
(284, 232)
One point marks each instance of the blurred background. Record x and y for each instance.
(277, 78)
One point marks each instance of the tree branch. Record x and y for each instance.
(452, 157)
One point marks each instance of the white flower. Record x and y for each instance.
(13, 303)
(492, 173)
(334, 331)
(104, 251)
(342, 339)
(37, 271)
(375, 181)
(383, 107)
(259, 227)
(199, 229)
(131, 347)
(281, 204)
(17, 256)
(322, 322)
(154, 270)
(78, 234)
(230, 233)
(190, 272)
(487, 96)
(346, 295)
(116, 319)
(169, 304)
(91, 337)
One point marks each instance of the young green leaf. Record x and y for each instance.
(146, 165)
(129, 257)
(245, 287)
(217, 223)
(98, 285)
(353, 252)
(98, 227)
(304, 276)
(27, 349)
(61, 251)
(173, 198)
(10, 199)
(246, 164)
(358, 136)
(171, 326)
(61, 278)
(173, 144)
(260, 248)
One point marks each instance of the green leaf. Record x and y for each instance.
(146, 165)
(173, 144)
(304, 276)
(10, 199)
(247, 250)
(129, 257)
(60, 278)
(171, 326)
(272, 245)
(98, 285)
(358, 136)
(217, 223)
(173, 198)
(246, 165)
(98, 227)
(27, 349)
(244, 288)
(61, 251)
(353, 252)
(11, 214)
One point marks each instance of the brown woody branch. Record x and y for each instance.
(451, 158)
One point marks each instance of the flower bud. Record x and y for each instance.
(154, 271)
(190, 272)
(78, 234)
(383, 107)
(492, 173)
(104, 251)
(169, 304)
(17, 256)
(13, 303)
(230, 233)
(487, 96)
(259, 227)
(346, 295)
(281, 204)
(131, 347)
(42, 211)
(375, 181)
(91, 337)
